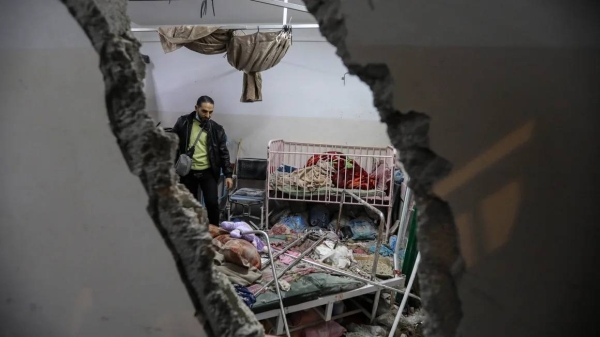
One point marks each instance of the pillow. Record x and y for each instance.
(241, 252)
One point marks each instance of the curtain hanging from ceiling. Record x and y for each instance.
(255, 53)
(201, 39)
(248, 53)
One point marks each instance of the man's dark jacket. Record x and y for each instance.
(216, 142)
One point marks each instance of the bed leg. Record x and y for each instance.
(375, 306)
(387, 224)
(279, 328)
(329, 311)
(262, 217)
(337, 226)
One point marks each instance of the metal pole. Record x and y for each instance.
(285, 324)
(402, 227)
(284, 4)
(235, 27)
(339, 219)
(302, 238)
(285, 13)
(405, 298)
(291, 265)
(380, 232)
(345, 273)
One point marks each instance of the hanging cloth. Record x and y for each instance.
(255, 53)
(248, 53)
(201, 39)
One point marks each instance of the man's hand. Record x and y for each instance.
(229, 183)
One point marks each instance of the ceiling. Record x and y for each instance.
(181, 12)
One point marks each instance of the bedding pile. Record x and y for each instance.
(332, 170)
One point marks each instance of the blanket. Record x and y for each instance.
(307, 178)
(346, 172)
(236, 274)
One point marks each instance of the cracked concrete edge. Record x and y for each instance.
(149, 153)
(441, 262)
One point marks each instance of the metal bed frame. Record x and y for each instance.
(373, 284)
(281, 153)
(324, 305)
(295, 154)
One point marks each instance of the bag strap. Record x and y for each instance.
(197, 139)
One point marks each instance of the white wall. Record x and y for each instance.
(79, 256)
(304, 97)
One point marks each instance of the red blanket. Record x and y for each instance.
(346, 172)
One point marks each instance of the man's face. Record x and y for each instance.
(205, 110)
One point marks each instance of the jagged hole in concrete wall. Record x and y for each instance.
(441, 263)
(181, 221)
(149, 153)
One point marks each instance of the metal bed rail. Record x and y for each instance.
(374, 165)
(329, 300)
(368, 170)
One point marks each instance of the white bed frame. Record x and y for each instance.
(324, 305)
(295, 154)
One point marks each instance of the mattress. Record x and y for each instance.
(306, 288)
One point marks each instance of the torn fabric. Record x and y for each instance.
(201, 39)
(255, 53)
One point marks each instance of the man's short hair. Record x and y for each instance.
(204, 99)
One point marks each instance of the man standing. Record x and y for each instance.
(210, 155)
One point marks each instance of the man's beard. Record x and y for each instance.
(201, 119)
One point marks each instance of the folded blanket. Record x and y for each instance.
(236, 274)
(308, 178)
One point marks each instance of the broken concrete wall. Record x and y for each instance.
(511, 92)
(54, 288)
(79, 255)
(150, 152)
(514, 112)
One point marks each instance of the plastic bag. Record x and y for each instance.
(383, 250)
(296, 222)
(319, 216)
(342, 257)
(323, 252)
(343, 222)
(241, 252)
(362, 229)
(398, 177)
(392, 241)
